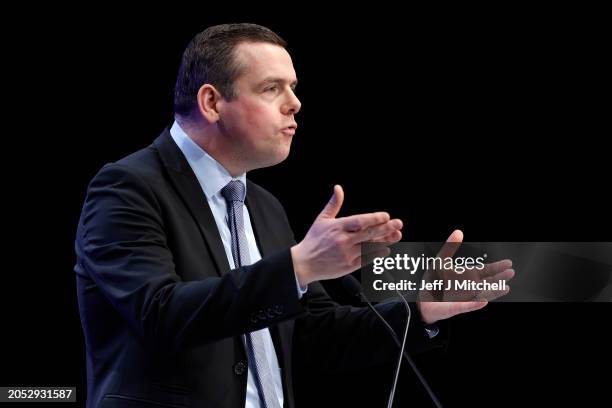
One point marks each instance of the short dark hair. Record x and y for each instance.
(209, 59)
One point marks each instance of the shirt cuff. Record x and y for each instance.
(300, 290)
(432, 330)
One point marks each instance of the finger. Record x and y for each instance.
(456, 308)
(332, 208)
(504, 276)
(455, 295)
(494, 268)
(392, 238)
(489, 295)
(358, 222)
(444, 310)
(375, 232)
(451, 245)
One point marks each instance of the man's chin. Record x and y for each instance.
(279, 157)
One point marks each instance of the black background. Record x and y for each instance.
(492, 121)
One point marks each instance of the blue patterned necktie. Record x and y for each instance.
(234, 194)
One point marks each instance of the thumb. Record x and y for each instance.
(332, 208)
(456, 236)
(451, 245)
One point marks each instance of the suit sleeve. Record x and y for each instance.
(122, 247)
(336, 338)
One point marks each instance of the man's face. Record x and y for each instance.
(259, 122)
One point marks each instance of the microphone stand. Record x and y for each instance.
(353, 286)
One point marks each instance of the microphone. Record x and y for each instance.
(353, 287)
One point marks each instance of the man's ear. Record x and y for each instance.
(208, 98)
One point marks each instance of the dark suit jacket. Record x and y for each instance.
(162, 312)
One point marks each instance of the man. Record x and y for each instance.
(192, 290)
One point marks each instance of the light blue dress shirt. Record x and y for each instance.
(212, 177)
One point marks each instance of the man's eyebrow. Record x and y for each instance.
(278, 80)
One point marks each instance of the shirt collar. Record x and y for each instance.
(209, 172)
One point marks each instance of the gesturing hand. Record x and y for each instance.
(453, 302)
(331, 248)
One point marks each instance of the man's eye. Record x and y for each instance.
(271, 88)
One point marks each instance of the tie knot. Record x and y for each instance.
(233, 191)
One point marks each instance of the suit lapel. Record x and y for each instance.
(188, 187)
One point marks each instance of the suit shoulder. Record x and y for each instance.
(143, 164)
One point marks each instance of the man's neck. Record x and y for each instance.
(208, 138)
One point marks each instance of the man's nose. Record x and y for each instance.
(293, 105)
